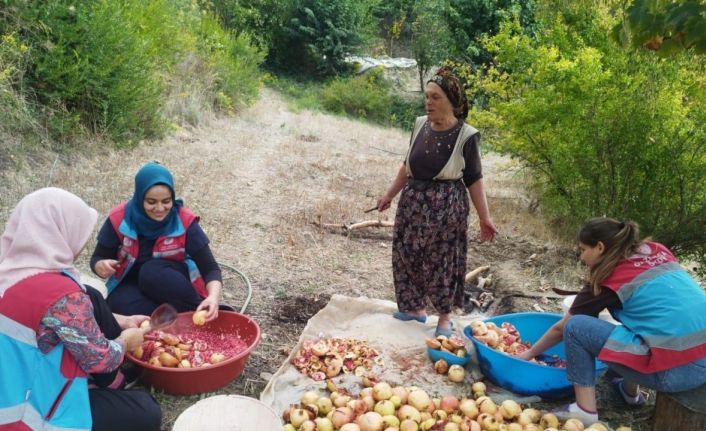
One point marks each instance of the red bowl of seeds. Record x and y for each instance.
(232, 336)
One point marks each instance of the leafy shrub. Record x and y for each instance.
(319, 35)
(364, 96)
(90, 68)
(110, 67)
(605, 131)
(234, 60)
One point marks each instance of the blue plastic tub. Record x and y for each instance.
(450, 358)
(522, 377)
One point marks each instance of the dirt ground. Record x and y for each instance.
(261, 182)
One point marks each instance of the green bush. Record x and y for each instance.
(364, 96)
(605, 131)
(16, 115)
(371, 97)
(234, 60)
(90, 68)
(125, 68)
(318, 36)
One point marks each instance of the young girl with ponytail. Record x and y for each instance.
(661, 342)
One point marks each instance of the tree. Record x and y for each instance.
(319, 35)
(470, 20)
(667, 27)
(430, 37)
(604, 130)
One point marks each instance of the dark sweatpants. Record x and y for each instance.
(158, 281)
(112, 409)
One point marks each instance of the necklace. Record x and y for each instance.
(431, 138)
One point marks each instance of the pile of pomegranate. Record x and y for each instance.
(188, 349)
(329, 357)
(386, 408)
(451, 345)
(506, 338)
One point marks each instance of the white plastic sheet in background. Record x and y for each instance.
(401, 344)
(365, 63)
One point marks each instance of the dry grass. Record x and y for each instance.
(261, 179)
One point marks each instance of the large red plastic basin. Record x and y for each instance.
(187, 381)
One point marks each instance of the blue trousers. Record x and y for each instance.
(158, 281)
(584, 337)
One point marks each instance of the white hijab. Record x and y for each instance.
(46, 231)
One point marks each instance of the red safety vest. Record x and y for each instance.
(170, 246)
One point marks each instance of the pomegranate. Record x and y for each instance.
(549, 420)
(509, 409)
(323, 424)
(370, 421)
(409, 425)
(385, 408)
(298, 417)
(469, 408)
(419, 400)
(456, 373)
(342, 416)
(407, 411)
(573, 425)
(478, 387)
(449, 404)
(382, 391)
(441, 366)
(199, 318)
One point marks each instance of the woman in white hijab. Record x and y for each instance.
(57, 336)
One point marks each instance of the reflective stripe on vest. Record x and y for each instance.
(663, 314)
(171, 246)
(39, 391)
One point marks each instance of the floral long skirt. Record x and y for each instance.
(429, 246)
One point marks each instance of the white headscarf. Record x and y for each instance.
(46, 231)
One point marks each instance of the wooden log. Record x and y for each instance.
(370, 223)
(472, 275)
(681, 411)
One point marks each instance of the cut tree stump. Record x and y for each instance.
(681, 411)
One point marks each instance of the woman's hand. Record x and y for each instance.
(526, 355)
(210, 304)
(384, 202)
(487, 230)
(132, 339)
(126, 322)
(106, 267)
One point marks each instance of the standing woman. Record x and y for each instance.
(152, 250)
(430, 237)
(61, 346)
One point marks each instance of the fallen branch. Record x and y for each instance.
(485, 282)
(359, 225)
(371, 223)
(475, 273)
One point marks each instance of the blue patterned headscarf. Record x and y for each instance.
(150, 175)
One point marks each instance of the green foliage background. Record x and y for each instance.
(105, 67)
(605, 130)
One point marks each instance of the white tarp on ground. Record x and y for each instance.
(366, 63)
(401, 345)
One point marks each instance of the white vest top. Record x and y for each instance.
(453, 170)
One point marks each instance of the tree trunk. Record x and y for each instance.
(681, 411)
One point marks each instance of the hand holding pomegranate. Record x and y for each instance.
(132, 338)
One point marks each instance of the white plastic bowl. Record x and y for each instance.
(228, 413)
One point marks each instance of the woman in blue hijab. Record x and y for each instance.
(152, 250)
